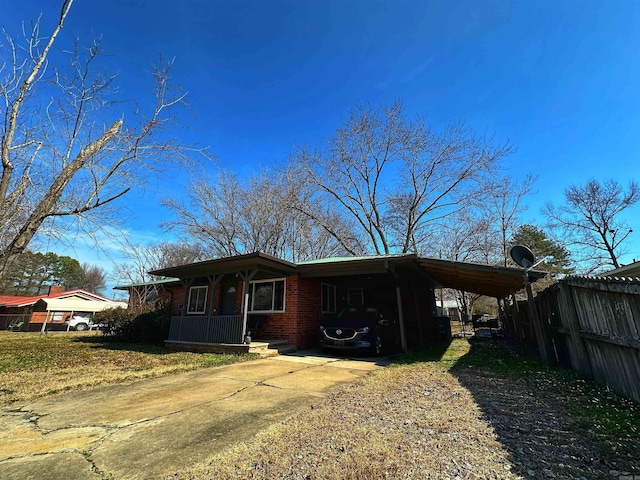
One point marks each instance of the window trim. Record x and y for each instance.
(204, 305)
(332, 308)
(273, 281)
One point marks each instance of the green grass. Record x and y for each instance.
(33, 366)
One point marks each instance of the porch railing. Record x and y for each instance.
(204, 329)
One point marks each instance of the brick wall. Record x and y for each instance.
(299, 323)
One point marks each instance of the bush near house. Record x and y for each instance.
(148, 324)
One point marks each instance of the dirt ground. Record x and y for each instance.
(446, 419)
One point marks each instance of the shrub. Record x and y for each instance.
(146, 324)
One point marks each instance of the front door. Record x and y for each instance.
(228, 300)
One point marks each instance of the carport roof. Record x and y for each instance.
(477, 278)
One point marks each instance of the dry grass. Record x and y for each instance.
(33, 366)
(451, 413)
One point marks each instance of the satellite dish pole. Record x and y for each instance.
(525, 258)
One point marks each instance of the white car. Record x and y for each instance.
(79, 323)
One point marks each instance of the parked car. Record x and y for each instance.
(80, 323)
(360, 328)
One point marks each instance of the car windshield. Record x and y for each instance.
(351, 313)
(354, 316)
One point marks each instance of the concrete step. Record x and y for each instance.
(271, 348)
(284, 349)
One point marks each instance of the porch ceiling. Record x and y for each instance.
(476, 278)
(239, 263)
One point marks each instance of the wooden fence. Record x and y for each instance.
(593, 326)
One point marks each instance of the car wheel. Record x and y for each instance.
(377, 346)
(81, 326)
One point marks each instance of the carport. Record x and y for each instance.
(491, 281)
(496, 282)
(408, 269)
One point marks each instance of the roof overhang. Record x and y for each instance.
(239, 263)
(486, 280)
(477, 278)
(631, 270)
(343, 266)
(166, 281)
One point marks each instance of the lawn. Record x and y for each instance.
(472, 410)
(33, 366)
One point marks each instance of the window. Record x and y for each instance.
(328, 298)
(197, 299)
(355, 296)
(266, 296)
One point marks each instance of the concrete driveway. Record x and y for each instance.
(155, 427)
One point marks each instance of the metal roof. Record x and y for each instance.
(18, 301)
(477, 278)
(631, 270)
(76, 305)
(144, 284)
(251, 261)
(471, 277)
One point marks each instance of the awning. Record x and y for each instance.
(487, 280)
(75, 305)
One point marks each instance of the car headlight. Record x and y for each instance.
(362, 330)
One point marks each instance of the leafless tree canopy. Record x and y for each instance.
(66, 150)
(230, 217)
(591, 220)
(394, 177)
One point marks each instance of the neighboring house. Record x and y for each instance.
(449, 309)
(51, 309)
(218, 301)
(630, 271)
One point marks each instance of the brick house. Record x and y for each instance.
(217, 301)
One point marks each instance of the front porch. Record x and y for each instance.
(220, 334)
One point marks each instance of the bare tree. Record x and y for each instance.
(395, 178)
(505, 204)
(230, 217)
(60, 161)
(141, 259)
(465, 236)
(94, 278)
(591, 220)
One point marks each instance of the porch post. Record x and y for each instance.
(44, 324)
(186, 283)
(417, 306)
(246, 277)
(403, 339)
(213, 281)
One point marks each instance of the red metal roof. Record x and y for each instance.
(17, 301)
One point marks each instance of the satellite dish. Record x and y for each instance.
(522, 256)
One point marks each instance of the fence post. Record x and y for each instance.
(537, 326)
(578, 351)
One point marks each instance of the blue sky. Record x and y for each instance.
(559, 80)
